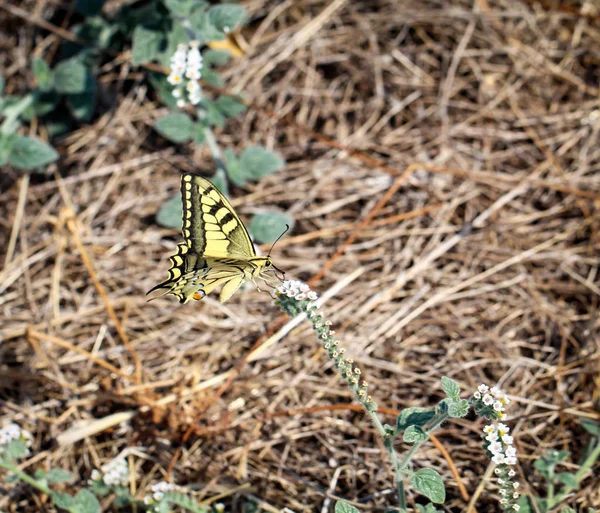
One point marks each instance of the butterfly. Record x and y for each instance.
(217, 249)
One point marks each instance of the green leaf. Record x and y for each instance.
(234, 169)
(524, 504)
(567, 509)
(82, 105)
(42, 74)
(43, 104)
(199, 133)
(591, 427)
(146, 45)
(212, 77)
(215, 57)
(458, 408)
(429, 483)
(226, 16)
(543, 466)
(15, 450)
(451, 387)
(213, 116)
(414, 434)
(1, 84)
(71, 77)
(557, 456)
(268, 226)
(414, 417)
(29, 153)
(567, 479)
(430, 508)
(58, 475)
(179, 7)
(230, 107)
(344, 507)
(89, 7)
(176, 126)
(170, 214)
(257, 162)
(85, 502)
(63, 500)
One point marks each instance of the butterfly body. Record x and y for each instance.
(217, 249)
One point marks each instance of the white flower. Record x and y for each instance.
(515, 495)
(180, 103)
(492, 437)
(510, 460)
(488, 400)
(489, 429)
(174, 78)
(515, 484)
(511, 451)
(483, 388)
(507, 439)
(516, 507)
(505, 400)
(503, 429)
(495, 447)
(498, 406)
(511, 473)
(477, 395)
(498, 458)
(496, 392)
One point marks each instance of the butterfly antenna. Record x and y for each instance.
(287, 227)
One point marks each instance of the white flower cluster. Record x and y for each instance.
(158, 494)
(13, 432)
(297, 290)
(186, 70)
(114, 473)
(500, 444)
(493, 397)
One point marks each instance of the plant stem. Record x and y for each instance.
(23, 476)
(214, 149)
(394, 458)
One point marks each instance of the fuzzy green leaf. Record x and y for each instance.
(451, 387)
(414, 434)
(414, 417)
(429, 483)
(556, 456)
(567, 479)
(63, 500)
(234, 169)
(5, 147)
(591, 427)
(176, 126)
(226, 16)
(215, 57)
(82, 105)
(29, 153)
(146, 45)
(58, 475)
(230, 107)
(85, 502)
(179, 7)
(170, 214)
(458, 407)
(268, 226)
(71, 77)
(42, 74)
(344, 507)
(257, 162)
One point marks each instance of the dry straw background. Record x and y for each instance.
(462, 138)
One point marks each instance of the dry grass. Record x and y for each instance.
(493, 279)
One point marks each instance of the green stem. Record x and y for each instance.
(394, 458)
(23, 476)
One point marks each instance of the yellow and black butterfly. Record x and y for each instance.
(217, 249)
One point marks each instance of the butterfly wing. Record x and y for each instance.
(216, 248)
